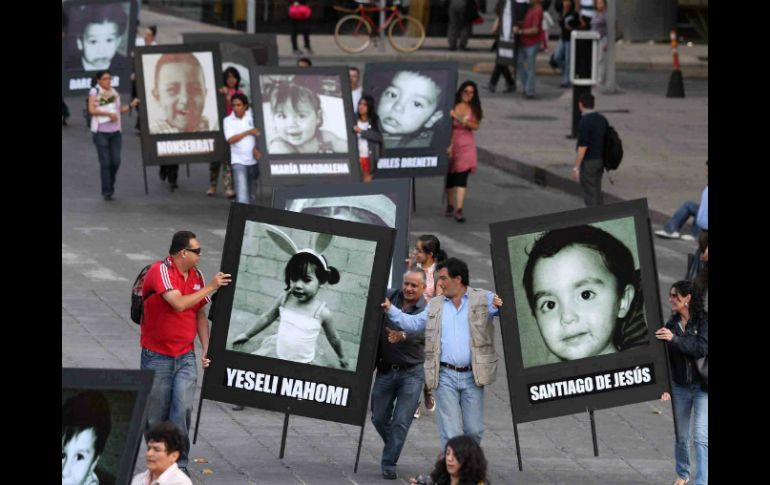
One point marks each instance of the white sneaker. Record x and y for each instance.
(687, 237)
(667, 235)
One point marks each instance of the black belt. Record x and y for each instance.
(394, 367)
(458, 369)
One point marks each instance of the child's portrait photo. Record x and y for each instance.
(181, 92)
(303, 114)
(97, 37)
(578, 292)
(94, 432)
(411, 105)
(300, 296)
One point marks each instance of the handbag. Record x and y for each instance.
(300, 12)
(702, 365)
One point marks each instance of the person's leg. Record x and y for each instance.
(383, 396)
(684, 212)
(213, 177)
(472, 405)
(182, 399)
(408, 388)
(240, 177)
(591, 181)
(565, 81)
(103, 152)
(495, 76)
(520, 61)
(683, 402)
(172, 171)
(294, 32)
(455, 22)
(701, 436)
(116, 143)
(253, 177)
(306, 35)
(529, 83)
(448, 412)
(465, 33)
(160, 394)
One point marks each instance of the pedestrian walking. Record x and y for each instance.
(529, 35)
(241, 134)
(699, 213)
(599, 25)
(463, 156)
(461, 14)
(589, 163)
(502, 29)
(232, 85)
(367, 130)
(299, 13)
(568, 21)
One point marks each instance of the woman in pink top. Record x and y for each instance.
(105, 109)
(232, 86)
(463, 158)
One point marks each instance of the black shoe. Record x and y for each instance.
(162, 173)
(107, 197)
(459, 217)
(464, 48)
(238, 407)
(389, 475)
(511, 88)
(552, 62)
(529, 96)
(491, 87)
(565, 85)
(173, 186)
(453, 48)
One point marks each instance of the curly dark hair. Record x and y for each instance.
(470, 456)
(475, 103)
(697, 307)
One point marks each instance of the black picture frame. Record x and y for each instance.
(279, 169)
(349, 391)
(506, 42)
(160, 148)
(76, 80)
(424, 151)
(127, 393)
(263, 47)
(645, 362)
(398, 192)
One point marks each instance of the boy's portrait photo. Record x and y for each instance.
(303, 114)
(181, 92)
(94, 430)
(412, 104)
(300, 296)
(97, 37)
(578, 292)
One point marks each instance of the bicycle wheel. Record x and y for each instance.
(352, 33)
(406, 34)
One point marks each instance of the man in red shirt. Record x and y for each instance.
(529, 35)
(173, 316)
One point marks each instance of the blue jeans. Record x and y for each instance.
(685, 211)
(172, 394)
(244, 177)
(686, 399)
(527, 55)
(108, 150)
(458, 397)
(392, 421)
(562, 59)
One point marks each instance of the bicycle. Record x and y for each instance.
(354, 32)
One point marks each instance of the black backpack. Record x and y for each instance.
(137, 298)
(613, 149)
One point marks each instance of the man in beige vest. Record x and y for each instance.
(460, 356)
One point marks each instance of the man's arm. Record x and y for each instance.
(581, 153)
(203, 336)
(493, 304)
(413, 323)
(181, 302)
(241, 136)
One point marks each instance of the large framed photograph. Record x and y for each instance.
(581, 310)
(380, 202)
(182, 111)
(103, 416)
(97, 35)
(506, 41)
(299, 325)
(413, 102)
(263, 47)
(307, 115)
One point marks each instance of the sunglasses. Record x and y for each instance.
(194, 250)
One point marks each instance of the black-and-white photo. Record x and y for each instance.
(262, 48)
(581, 305)
(303, 114)
(380, 202)
(583, 292)
(97, 37)
(302, 297)
(182, 92)
(103, 412)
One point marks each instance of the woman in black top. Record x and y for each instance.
(686, 334)
(463, 463)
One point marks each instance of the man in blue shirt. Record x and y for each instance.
(700, 212)
(460, 357)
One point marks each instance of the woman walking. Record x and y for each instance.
(463, 157)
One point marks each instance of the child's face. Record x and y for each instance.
(78, 458)
(99, 44)
(231, 80)
(305, 288)
(181, 92)
(239, 108)
(299, 126)
(419, 252)
(409, 104)
(577, 303)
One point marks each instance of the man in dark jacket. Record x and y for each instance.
(589, 163)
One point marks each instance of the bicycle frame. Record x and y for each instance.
(362, 11)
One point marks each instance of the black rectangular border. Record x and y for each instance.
(358, 382)
(443, 136)
(149, 153)
(124, 74)
(520, 378)
(403, 187)
(118, 380)
(249, 41)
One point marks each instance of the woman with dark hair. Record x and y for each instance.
(232, 80)
(686, 335)
(369, 137)
(463, 463)
(463, 158)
